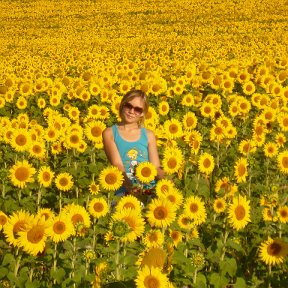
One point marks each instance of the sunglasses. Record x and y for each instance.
(137, 110)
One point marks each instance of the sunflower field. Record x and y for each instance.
(216, 75)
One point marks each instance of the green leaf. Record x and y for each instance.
(8, 259)
(3, 272)
(240, 283)
(218, 281)
(200, 281)
(228, 265)
(58, 275)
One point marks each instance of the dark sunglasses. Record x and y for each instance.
(137, 110)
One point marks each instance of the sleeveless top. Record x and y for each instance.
(132, 153)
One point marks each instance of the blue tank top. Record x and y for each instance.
(131, 152)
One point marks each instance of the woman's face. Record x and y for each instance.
(133, 109)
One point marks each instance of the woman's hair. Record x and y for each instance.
(131, 95)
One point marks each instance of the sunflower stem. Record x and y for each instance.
(31, 274)
(94, 234)
(3, 190)
(117, 257)
(60, 201)
(39, 198)
(195, 276)
(73, 260)
(17, 263)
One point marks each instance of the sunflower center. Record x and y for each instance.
(240, 212)
(164, 188)
(3, 220)
(219, 205)
(129, 205)
(21, 140)
(283, 213)
(206, 163)
(146, 172)
(153, 237)
(111, 179)
(173, 128)
(63, 182)
(76, 218)
(274, 249)
(35, 235)
(171, 198)
(37, 149)
(189, 121)
(59, 227)
(160, 213)
(151, 282)
(285, 122)
(172, 162)
(74, 139)
(46, 176)
(96, 131)
(194, 208)
(241, 170)
(22, 173)
(285, 162)
(98, 207)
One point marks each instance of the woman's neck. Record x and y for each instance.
(128, 126)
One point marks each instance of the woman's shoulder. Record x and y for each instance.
(150, 133)
(108, 131)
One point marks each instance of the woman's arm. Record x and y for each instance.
(153, 154)
(113, 155)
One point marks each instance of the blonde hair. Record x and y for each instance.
(131, 95)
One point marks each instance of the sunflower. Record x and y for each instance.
(129, 202)
(111, 178)
(64, 181)
(248, 88)
(16, 223)
(164, 185)
(47, 213)
(3, 220)
(206, 163)
(73, 139)
(207, 110)
(270, 149)
(93, 111)
(188, 100)
(51, 134)
(173, 128)
(98, 207)
(94, 89)
(240, 170)
(280, 139)
(20, 140)
(283, 121)
(22, 173)
(45, 176)
(93, 131)
(21, 103)
(273, 251)
(194, 139)
(61, 228)
(94, 188)
(154, 238)
(146, 172)
(194, 208)
(172, 160)
(74, 113)
(136, 224)
(79, 217)
(282, 213)
(268, 214)
(163, 108)
(217, 133)
(282, 160)
(239, 212)
(185, 222)
(160, 212)
(189, 121)
(176, 237)
(37, 149)
(174, 196)
(33, 238)
(219, 205)
(150, 277)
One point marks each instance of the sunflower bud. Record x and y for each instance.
(120, 229)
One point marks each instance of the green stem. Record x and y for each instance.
(60, 201)
(195, 276)
(117, 257)
(72, 274)
(31, 274)
(3, 190)
(17, 264)
(39, 198)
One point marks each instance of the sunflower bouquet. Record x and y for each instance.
(143, 186)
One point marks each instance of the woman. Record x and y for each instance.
(127, 143)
